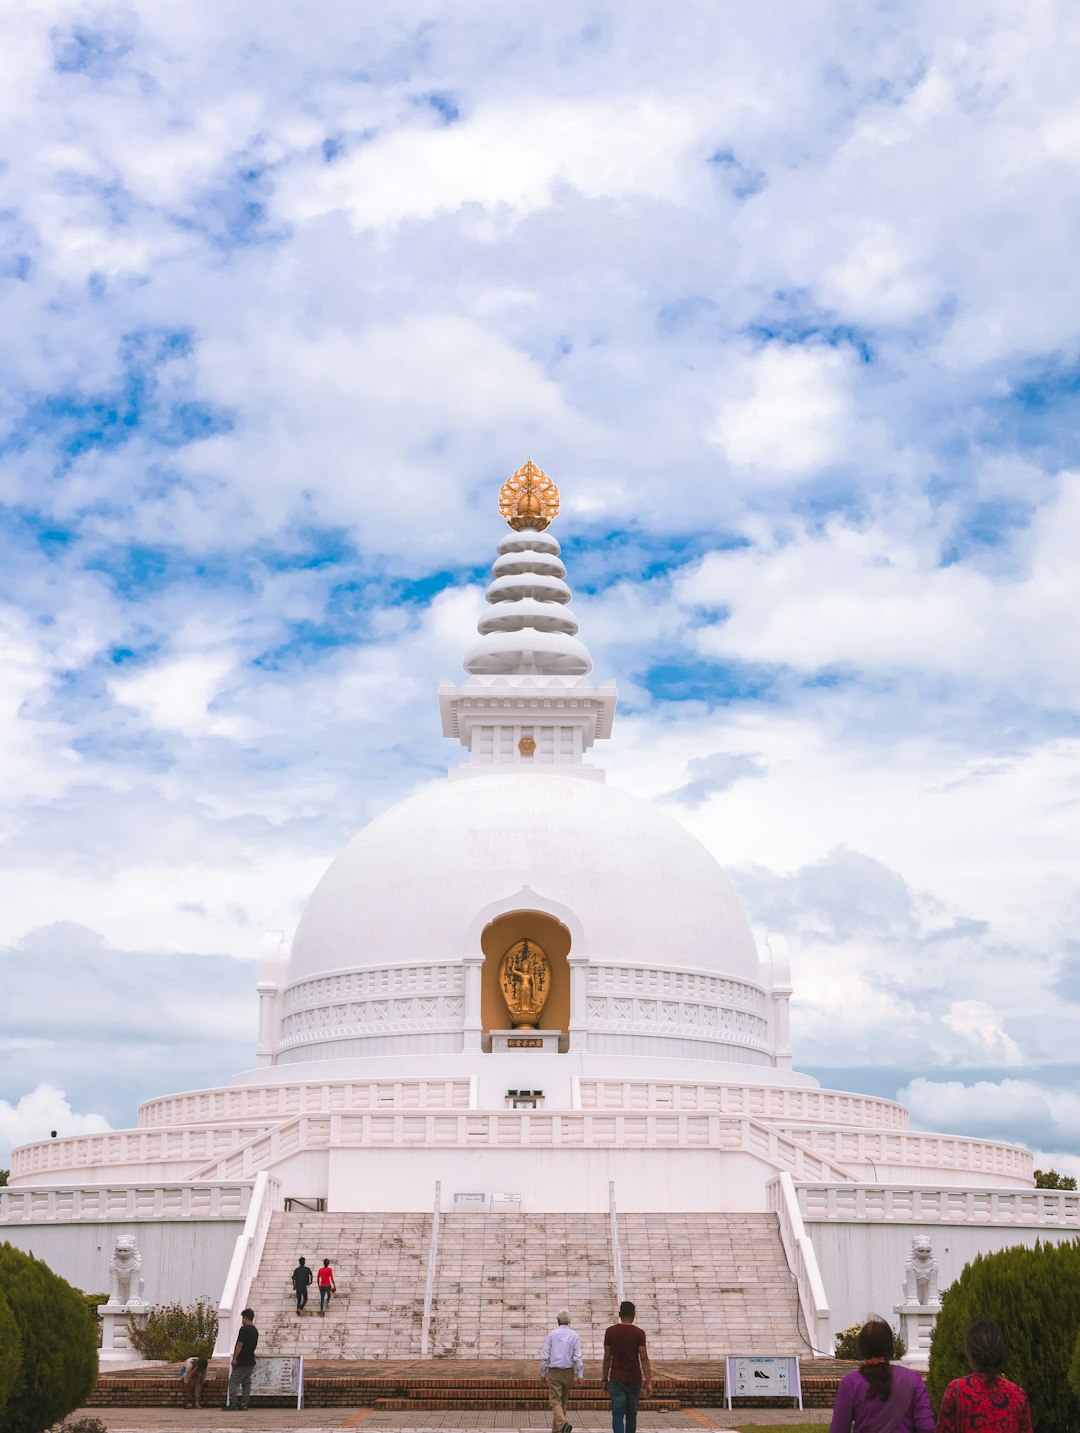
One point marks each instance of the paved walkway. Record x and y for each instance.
(330, 1420)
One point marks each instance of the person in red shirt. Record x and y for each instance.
(627, 1372)
(325, 1280)
(984, 1400)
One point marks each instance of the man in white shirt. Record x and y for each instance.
(561, 1361)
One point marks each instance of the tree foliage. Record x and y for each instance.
(10, 1353)
(177, 1331)
(1033, 1294)
(58, 1342)
(1051, 1179)
(846, 1344)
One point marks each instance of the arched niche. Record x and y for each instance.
(497, 938)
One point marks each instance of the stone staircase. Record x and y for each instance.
(502, 1278)
(380, 1268)
(706, 1285)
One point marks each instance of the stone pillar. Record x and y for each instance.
(117, 1350)
(579, 975)
(915, 1325)
(273, 957)
(473, 1026)
(264, 1049)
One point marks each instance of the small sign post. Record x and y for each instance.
(279, 1377)
(768, 1376)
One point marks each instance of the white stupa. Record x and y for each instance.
(523, 985)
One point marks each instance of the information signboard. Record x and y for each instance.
(279, 1378)
(763, 1376)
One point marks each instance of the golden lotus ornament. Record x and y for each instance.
(525, 979)
(529, 498)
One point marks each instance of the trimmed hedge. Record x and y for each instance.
(10, 1353)
(59, 1343)
(1034, 1296)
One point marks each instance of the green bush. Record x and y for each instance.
(10, 1353)
(1034, 1296)
(59, 1343)
(92, 1305)
(1074, 1368)
(83, 1425)
(846, 1344)
(177, 1331)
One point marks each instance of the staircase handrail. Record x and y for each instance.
(429, 1286)
(266, 1197)
(782, 1200)
(616, 1252)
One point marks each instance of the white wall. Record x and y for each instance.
(549, 1180)
(180, 1260)
(862, 1264)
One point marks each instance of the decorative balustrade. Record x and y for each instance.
(904, 1204)
(278, 1101)
(127, 1147)
(102, 1203)
(929, 1151)
(768, 1102)
(528, 1129)
(782, 1200)
(266, 1198)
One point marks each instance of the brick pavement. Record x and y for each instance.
(330, 1420)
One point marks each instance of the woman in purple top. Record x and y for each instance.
(878, 1398)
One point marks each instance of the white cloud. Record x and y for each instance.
(981, 1025)
(505, 159)
(1034, 1114)
(39, 1112)
(788, 411)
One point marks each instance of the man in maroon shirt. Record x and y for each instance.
(626, 1369)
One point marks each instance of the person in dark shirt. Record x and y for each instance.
(627, 1371)
(243, 1362)
(301, 1279)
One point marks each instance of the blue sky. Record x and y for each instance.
(785, 298)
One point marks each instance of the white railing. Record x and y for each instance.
(101, 1203)
(616, 1250)
(782, 1201)
(281, 1101)
(139, 1146)
(768, 1102)
(266, 1197)
(911, 1204)
(432, 1266)
(929, 1151)
(530, 1129)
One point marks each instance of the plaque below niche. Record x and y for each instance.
(510, 1041)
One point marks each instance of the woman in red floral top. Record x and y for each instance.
(984, 1402)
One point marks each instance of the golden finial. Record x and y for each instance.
(529, 498)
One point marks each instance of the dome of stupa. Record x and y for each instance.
(414, 882)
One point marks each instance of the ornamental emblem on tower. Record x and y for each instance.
(529, 498)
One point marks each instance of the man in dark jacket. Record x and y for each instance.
(301, 1280)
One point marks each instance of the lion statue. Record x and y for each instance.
(125, 1273)
(921, 1273)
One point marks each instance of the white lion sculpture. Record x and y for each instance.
(125, 1273)
(921, 1273)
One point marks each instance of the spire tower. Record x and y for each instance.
(527, 703)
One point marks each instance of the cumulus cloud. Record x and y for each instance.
(709, 775)
(981, 1025)
(799, 344)
(1027, 1111)
(38, 1113)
